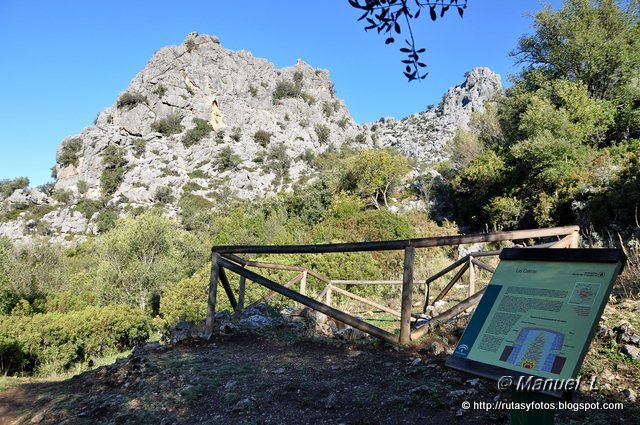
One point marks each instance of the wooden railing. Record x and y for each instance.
(226, 258)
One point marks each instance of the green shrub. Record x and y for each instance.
(227, 160)
(63, 196)
(69, 152)
(171, 124)
(286, 89)
(7, 187)
(253, 90)
(190, 45)
(82, 187)
(236, 134)
(323, 132)
(160, 90)
(194, 135)
(130, 100)
(55, 342)
(139, 147)
(278, 162)
(197, 174)
(196, 212)
(164, 195)
(88, 207)
(114, 162)
(185, 300)
(262, 137)
(106, 220)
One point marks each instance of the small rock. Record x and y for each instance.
(330, 401)
(244, 405)
(354, 353)
(422, 389)
(279, 371)
(631, 351)
(630, 395)
(37, 418)
(456, 393)
(607, 375)
(460, 412)
(473, 382)
(435, 348)
(415, 362)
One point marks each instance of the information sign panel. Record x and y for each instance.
(539, 313)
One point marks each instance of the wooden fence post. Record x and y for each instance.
(329, 294)
(241, 289)
(576, 238)
(472, 276)
(407, 292)
(213, 291)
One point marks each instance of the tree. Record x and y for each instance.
(373, 173)
(593, 42)
(389, 16)
(140, 255)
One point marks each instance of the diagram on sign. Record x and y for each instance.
(536, 349)
(584, 294)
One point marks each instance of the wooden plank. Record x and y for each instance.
(227, 288)
(310, 302)
(323, 293)
(453, 281)
(565, 242)
(366, 282)
(445, 316)
(398, 244)
(213, 291)
(447, 269)
(407, 294)
(366, 301)
(483, 265)
(271, 294)
(329, 294)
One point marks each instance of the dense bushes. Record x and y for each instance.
(55, 342)
(560, 147)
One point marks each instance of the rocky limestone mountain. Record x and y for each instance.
(218, 124)
(424, 135)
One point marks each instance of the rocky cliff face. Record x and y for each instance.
(219, 123)
(423, 135)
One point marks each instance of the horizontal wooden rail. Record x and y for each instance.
(366, 301)
(396, 245)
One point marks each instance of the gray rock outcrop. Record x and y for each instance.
(153, 144)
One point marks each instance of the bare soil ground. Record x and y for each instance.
(276, 377)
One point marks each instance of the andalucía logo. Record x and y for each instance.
(462, 350)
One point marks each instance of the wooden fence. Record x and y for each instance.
(226, 258)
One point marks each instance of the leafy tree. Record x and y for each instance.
(372, 174)
(140, 255)
(596, 43)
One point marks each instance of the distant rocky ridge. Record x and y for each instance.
(220, 124)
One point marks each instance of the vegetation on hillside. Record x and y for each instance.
(561, 146)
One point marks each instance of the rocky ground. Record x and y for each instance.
(278, 375)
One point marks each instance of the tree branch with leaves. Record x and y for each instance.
(390, 16)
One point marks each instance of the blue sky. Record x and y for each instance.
(64, 61)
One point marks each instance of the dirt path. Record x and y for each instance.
(263, 379)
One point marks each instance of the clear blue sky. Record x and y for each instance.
(64, 61)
